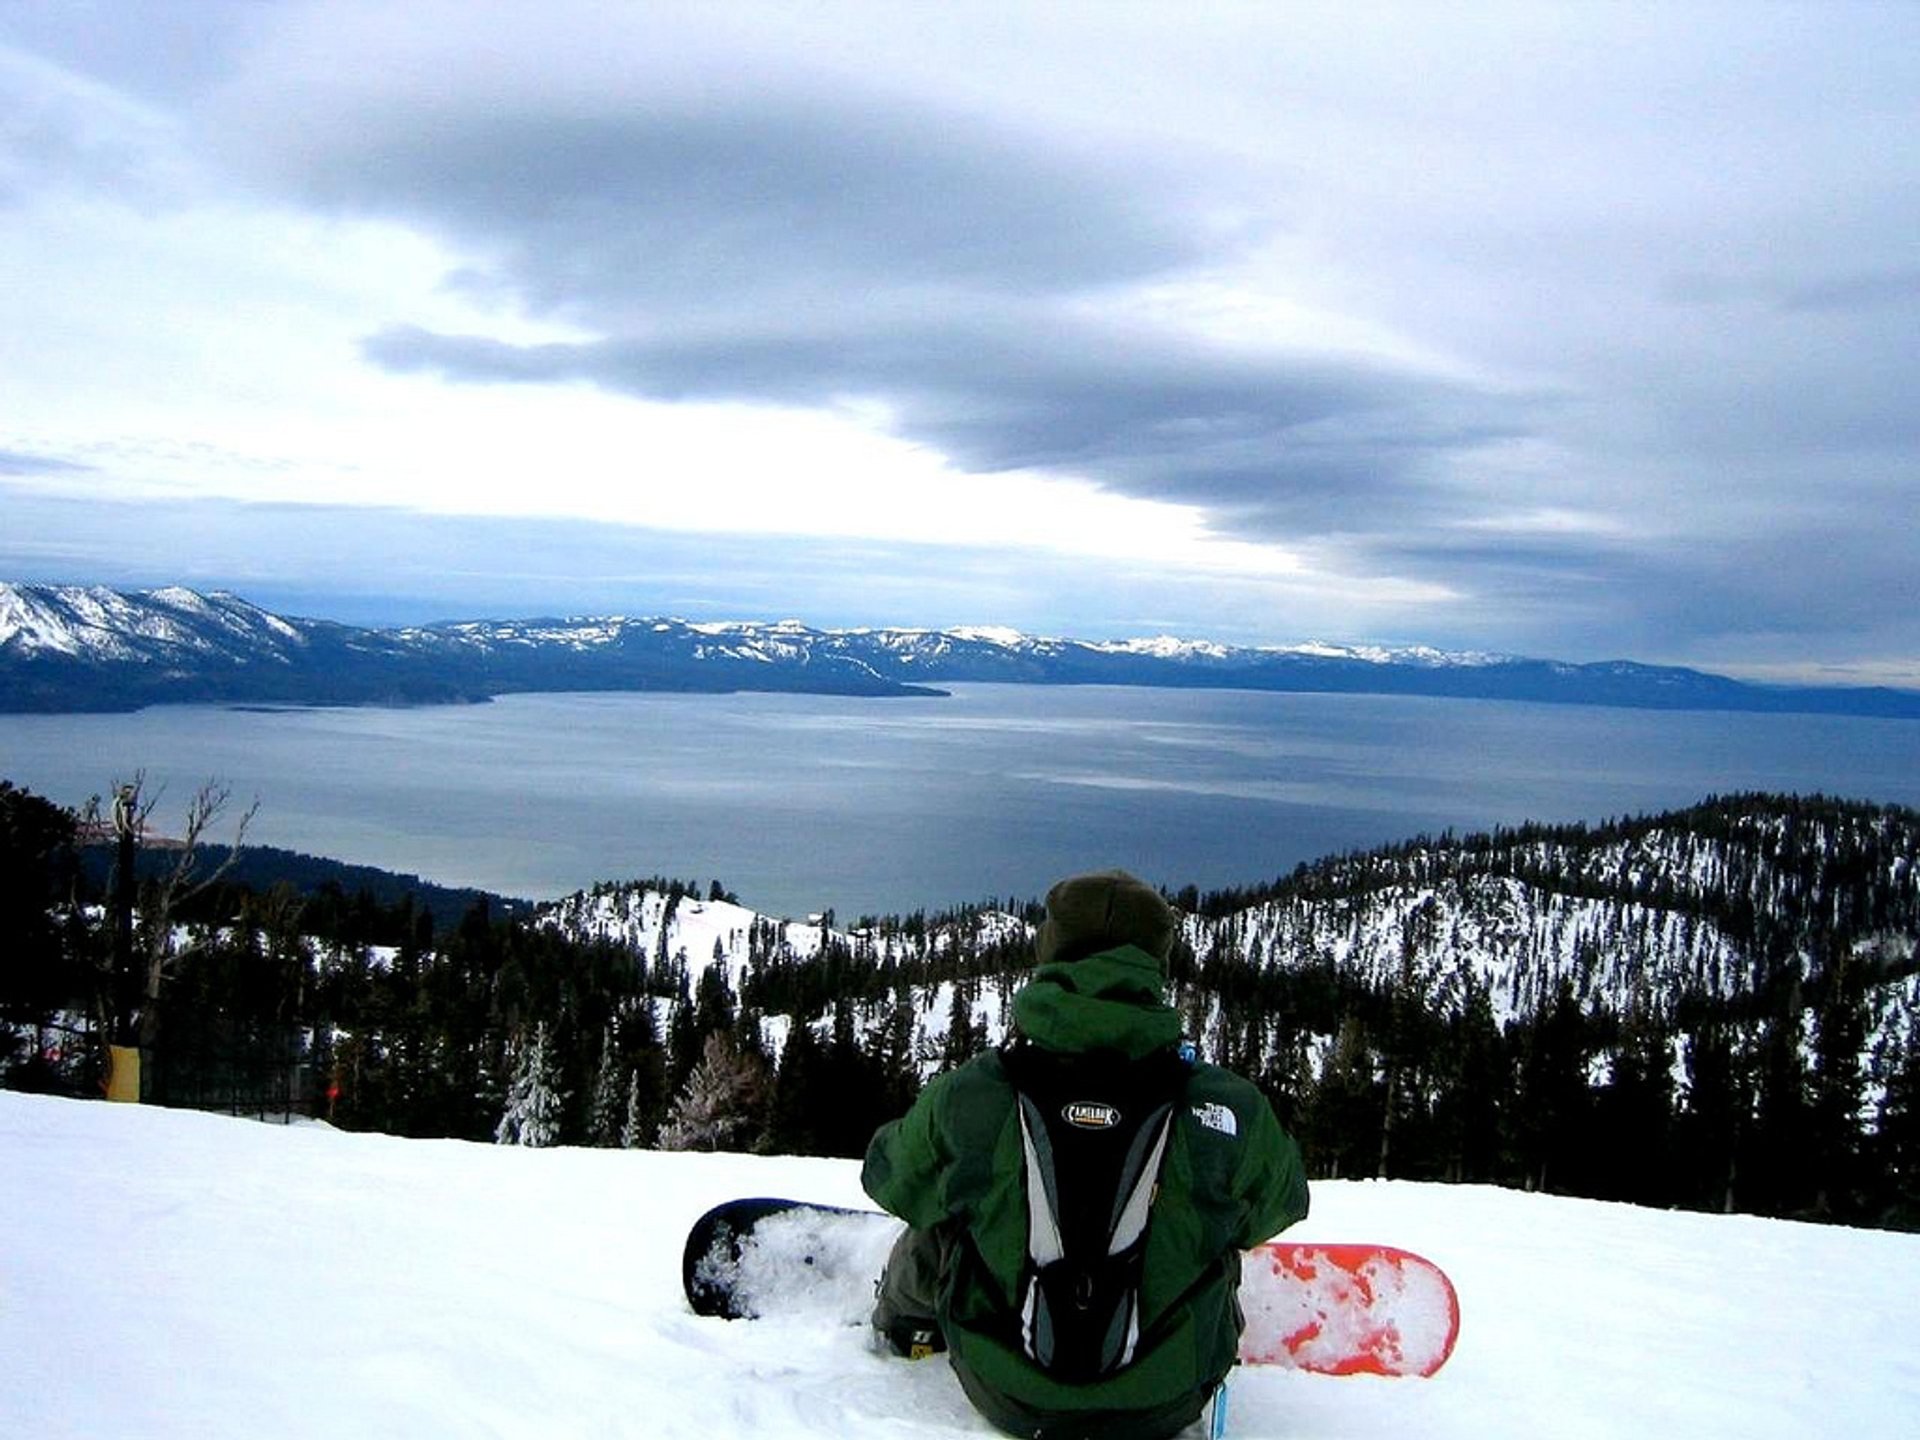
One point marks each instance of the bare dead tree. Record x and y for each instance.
(138, 970)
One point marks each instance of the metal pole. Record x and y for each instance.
(123, 1054)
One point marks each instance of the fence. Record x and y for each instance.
(265, 1081)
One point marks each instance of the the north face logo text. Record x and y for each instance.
(1216, 1116)
(1090, 1115)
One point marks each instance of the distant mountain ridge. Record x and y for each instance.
(92, 648)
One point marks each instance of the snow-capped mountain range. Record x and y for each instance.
(70, 648)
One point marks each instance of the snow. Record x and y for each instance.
(1425, 655)
(168, 1274)
(1316, 1307)
(178, 597)
(798, 1266)
(575, 634)
(706, 932)
(989, 635)
(1166, 647)
(99, 624)
(51, 621)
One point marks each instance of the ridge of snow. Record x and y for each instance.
(1165, 647)
(1423, 655)
(178, 597)
(1001, 635)
(99, 623)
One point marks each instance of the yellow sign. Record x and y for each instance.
(123, 1073)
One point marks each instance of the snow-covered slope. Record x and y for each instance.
(1708, 902)
(168, 626)
(1704, 905)
(167, 1274)
(657, 926)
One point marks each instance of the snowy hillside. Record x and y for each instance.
(169, 1274)
(691, 935)
(1708, 904)
(1708, 901)
(169, 626)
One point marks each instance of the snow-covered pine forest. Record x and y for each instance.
(1714, 1008)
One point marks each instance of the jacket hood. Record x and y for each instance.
(1113, 1000)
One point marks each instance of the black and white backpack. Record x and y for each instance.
(1095, 1131)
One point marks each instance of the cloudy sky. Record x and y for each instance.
(1575, 330)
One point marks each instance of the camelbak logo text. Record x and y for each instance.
(1217, 1117)
(1091, 1115)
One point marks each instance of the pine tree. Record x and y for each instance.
(646, 1067)
(1713, 1125)
(898, 1059)
(1633, 1114)
(684, 1037)
(633, 1126)
(1407, 1042)
(1839, 1087)
(1473, 1081)
(1897, 1136)
(1779, 1151)
(606, 1109)
(1554, 1110)
(1345, 1115)
(791, 1127)
(964, 1039)
(534, 1100)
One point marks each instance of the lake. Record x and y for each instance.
(801, 802)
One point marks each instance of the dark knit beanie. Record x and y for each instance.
(1090, 913)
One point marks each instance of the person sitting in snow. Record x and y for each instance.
(1078, 1200)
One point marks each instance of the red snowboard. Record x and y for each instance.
(1346, 1309)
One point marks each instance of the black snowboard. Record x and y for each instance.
(746, 1257)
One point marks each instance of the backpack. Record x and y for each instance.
(1094, 1128)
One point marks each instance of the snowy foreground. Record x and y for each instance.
(166, 1274)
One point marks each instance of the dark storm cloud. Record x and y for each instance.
(805, 248)
(695, 212)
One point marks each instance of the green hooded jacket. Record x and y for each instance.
(1231, 1178)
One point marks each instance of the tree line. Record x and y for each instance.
(1788, 1085)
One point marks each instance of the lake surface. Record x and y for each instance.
(800, 802)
